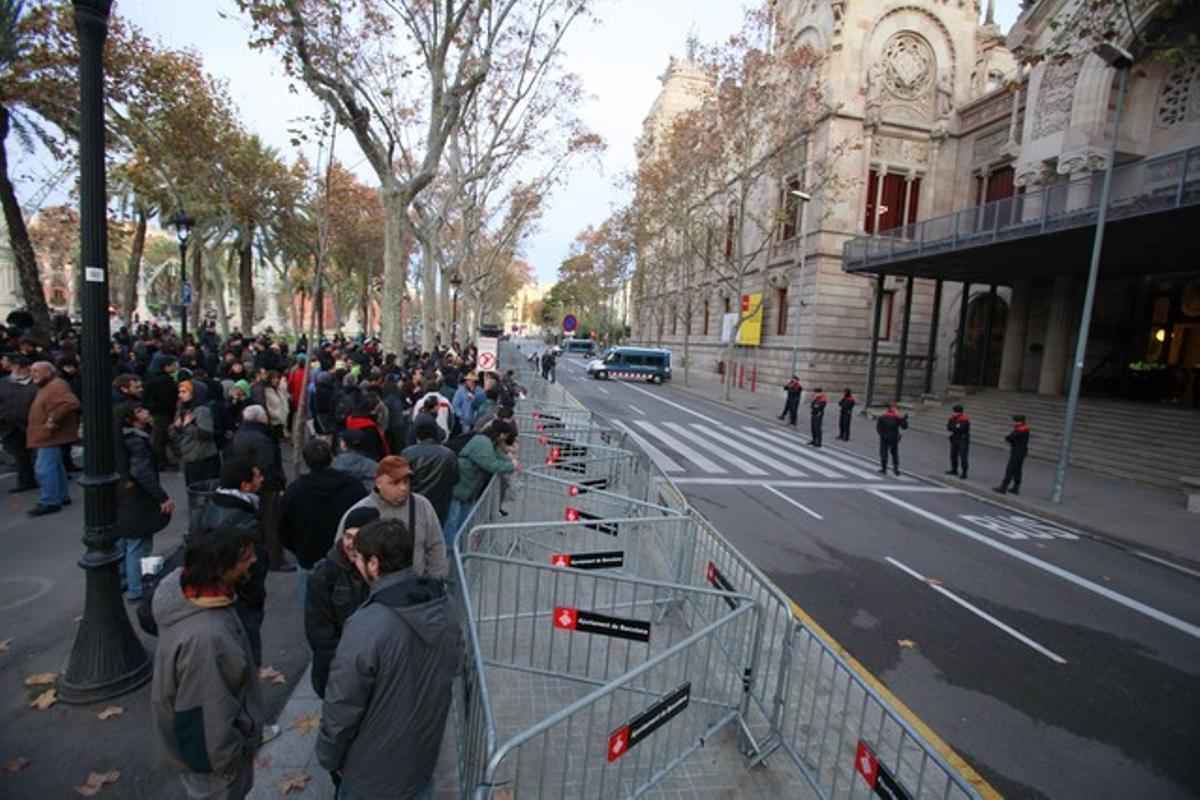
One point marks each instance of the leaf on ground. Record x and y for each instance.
(44, 700)
(933, 582)
(16, 765)
(907, 644)
(110, 711)
(78, 619)
(269, 673)
(306, 723)
(296, 782)
(262, 762)
(5, 644)
(42, 679)
(97, 781)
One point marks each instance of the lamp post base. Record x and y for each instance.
(108, 659)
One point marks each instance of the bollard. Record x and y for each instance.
(741, 376)
(753, 377)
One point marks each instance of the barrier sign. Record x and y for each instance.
(583, 487)
(877, 776)
(647, 722)
(719, 581)
(611, 559)
(572, 619)
(576, 515)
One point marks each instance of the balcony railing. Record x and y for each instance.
(1149, 186)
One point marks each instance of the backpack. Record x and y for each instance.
(457, 443)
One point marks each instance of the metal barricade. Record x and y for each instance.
(617, 681)
(622, 471)
(545, 497)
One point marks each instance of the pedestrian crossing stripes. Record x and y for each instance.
(682, 448)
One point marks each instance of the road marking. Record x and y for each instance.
(1084, 583)
(1165, 563)
(1013, 632)
(740, 463)
(684, 450)
(664, 462)
(810, 454)
(791, 472)
(601, 389)
(798, 505)
(673, 404)
(786, 455)
(637, 410)
(909, 488)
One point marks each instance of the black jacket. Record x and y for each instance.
(311, 509)
(435, 471)
(889, 425)
(960, 428)
(161, 395)
(226, 510)
(254, 441)
(1018, 439)
(335, 591)
(15, 400)
(139, 493)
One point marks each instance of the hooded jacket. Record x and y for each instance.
(477, 462)
(429, 546)
(253, 440)
(435, 471)
(311, 509)
(205, 699)
(335, 591)
(228, 510)
(390, 686)
(361, 467)
(198, 439)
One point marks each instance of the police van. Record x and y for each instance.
(584, 347)
(651, 364)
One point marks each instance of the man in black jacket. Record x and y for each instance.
(888, 426)
(1018, 444)
(434, 465)
(161, 396)
(17, 391)
(235, 504)
(253, 441)
(313, 506)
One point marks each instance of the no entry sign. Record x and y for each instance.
(877, 776)
(609, 559)
(572, 619)
(648, 721)
(488, 353)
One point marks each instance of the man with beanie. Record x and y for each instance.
(434, 465)
(959, 426)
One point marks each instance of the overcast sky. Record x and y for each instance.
(619, 58)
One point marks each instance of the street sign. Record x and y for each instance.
(648, 721)
(489, 359)
(610, 559)
(187, 293)
(572, 619)
(877, 776)
(569, 323)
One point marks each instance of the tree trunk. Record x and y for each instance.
(18, 239)
(133, 273)
(319, 300)
(430, 298)
(445, 307)
(366, 304)
(246, 279)
(198, 287)
(395, 269)
(219, 296)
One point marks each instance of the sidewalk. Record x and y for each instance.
(1151, 519)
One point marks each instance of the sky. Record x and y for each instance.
(619, 57)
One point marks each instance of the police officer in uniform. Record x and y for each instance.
(959, 426)
(845, 411)
(888, 426)
(792, 405)
(1018, 448)
(817, 409)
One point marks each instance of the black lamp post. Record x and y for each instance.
(107, 659)
(183, 225)
(455, 281)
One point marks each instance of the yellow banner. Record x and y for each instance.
(752, 317)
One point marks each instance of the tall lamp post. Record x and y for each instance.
(1121, 60)
(107, 658)
(803, 198)
(455, 281)
(183, 225)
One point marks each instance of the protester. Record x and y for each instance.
(17, 392)
(253, 441)
(467, 399)
(161, 397)
(435, 468)
(194, 434)
(53, 422)
(480, 458)
(143, 507)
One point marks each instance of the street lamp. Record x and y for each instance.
(183, 225)
(107, 658)
(1121, 60)
(455, 281)
(803, 198)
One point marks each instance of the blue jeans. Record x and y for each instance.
(130, 566)
(51, 476)
(344, 792)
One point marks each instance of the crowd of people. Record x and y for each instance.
(395, 449)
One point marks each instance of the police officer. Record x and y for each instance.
(1018, 448)
(817, 408)
(959, 426)
(888, 426)
(792, 406)
(845, 411)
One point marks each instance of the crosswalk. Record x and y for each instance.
(742, 450)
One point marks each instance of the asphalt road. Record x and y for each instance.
(1057, 665)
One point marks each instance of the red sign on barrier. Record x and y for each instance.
(866, 764)
(627, 736)
(572, 514)
(560, 560)
(543, 440)
(882, 782)
(573, 490)
(565, 618)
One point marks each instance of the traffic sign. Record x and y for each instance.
(569, 323)
(626, 737)
(187, 293)
(488, 353)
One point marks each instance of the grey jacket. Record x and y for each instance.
(197, 441)
(390, 686)
(429, 546)
(360, 466)
(205, 699)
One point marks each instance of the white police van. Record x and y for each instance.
(639, 363)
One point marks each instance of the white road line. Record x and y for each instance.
(637, 410)
(673, 404)
(601, 389)
(684, 450)
(796, 457)
(815, 455)
(664, 462)
(1013, 632)
(798, 505)
(745, 449)
(716, 449)
(1084, 583)
(1158, 560)
(910, 488)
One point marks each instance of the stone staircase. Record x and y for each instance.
(1146, 442)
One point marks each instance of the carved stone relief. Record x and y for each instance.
(899, 152)
(1055, 97)
(990, 146)
(909, 66)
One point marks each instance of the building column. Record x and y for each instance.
(1012, 359)
(934, 318)
(880, 174)
(1053, 377)
(873, 355)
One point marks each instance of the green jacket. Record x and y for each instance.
(478, 461)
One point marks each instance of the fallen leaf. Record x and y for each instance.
(295, 782)
(16, 765)
(262, 762)
(96, 781)
(306, 723)
(44, 700)
(41, 679)
(78, 619)
(4, 644)
(269, 673)
(110, 712)
(907, 644)
(933, 582)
